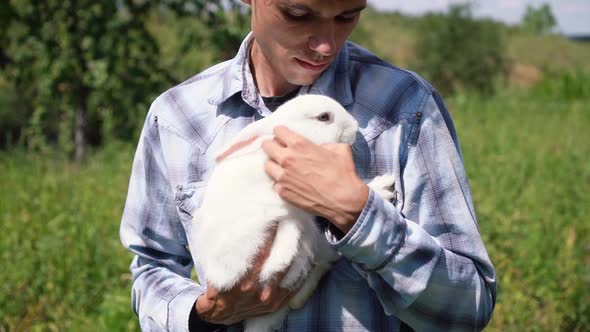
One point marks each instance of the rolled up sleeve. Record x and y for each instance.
(163, 294)
(424, 257)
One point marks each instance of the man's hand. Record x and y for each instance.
(319, 179)
(247, 299)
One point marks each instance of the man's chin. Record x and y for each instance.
(305, 79)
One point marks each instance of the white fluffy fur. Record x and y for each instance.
(240, 206)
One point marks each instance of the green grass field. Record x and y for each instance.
(527, 155)
(528, 160)
(64, 267)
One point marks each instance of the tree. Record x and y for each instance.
(455, 51)
(539, 20)
(75, 61)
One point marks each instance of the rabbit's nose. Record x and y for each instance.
(349, 135)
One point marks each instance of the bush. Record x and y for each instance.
(539, 20)
(570, 85)
(78, 65)
(12, 118)
(455, 51)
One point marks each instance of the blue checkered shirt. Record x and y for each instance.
(418, 258)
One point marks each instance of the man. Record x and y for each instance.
(417, 261)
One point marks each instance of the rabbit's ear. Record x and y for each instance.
(239, 148)
(248, 140)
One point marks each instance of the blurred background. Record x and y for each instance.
(77, 78)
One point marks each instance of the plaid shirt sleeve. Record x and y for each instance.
(423, 255)
(163, 294)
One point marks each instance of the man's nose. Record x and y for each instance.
(323, 42)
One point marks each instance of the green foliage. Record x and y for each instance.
(548, 52)
(530, 175)
(539, 20)
(188, 46)
(361, 35)
(569, 85)
(64, 267)
(34, 131)
(456, 52)
(12, 118)
(92, 58)
(389, 35)
(187, 42)
(392, 36)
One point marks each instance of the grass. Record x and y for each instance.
(390, 35)
(527, 157)
(551, 52)
(64, 268)
(529, 168)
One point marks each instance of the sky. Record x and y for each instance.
(573, 16)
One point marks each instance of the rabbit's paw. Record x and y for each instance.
(384, 186)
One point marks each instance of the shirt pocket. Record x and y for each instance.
(189, 198)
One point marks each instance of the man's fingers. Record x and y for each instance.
(249, 298)
(289, 138)
(279, 276)
(285, 136)
(274, 297)
(274, 150)
(339, 148)
(204, 305)
(292, 196)
(274, 170)
(211, 291)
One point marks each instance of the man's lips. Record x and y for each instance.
(314, 66)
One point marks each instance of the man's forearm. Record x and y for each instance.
(161, 298)
(414, 276)
(345, 214)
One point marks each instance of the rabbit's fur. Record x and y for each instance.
(240, 207)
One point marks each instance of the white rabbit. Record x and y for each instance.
(240, 207)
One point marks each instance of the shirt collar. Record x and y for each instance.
(334, 81)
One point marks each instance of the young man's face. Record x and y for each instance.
(296, 40)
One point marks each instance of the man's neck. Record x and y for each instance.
(269, 84)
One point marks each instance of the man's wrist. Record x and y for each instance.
(197, 323)
(346, 217)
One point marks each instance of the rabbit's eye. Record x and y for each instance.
(324, 117)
